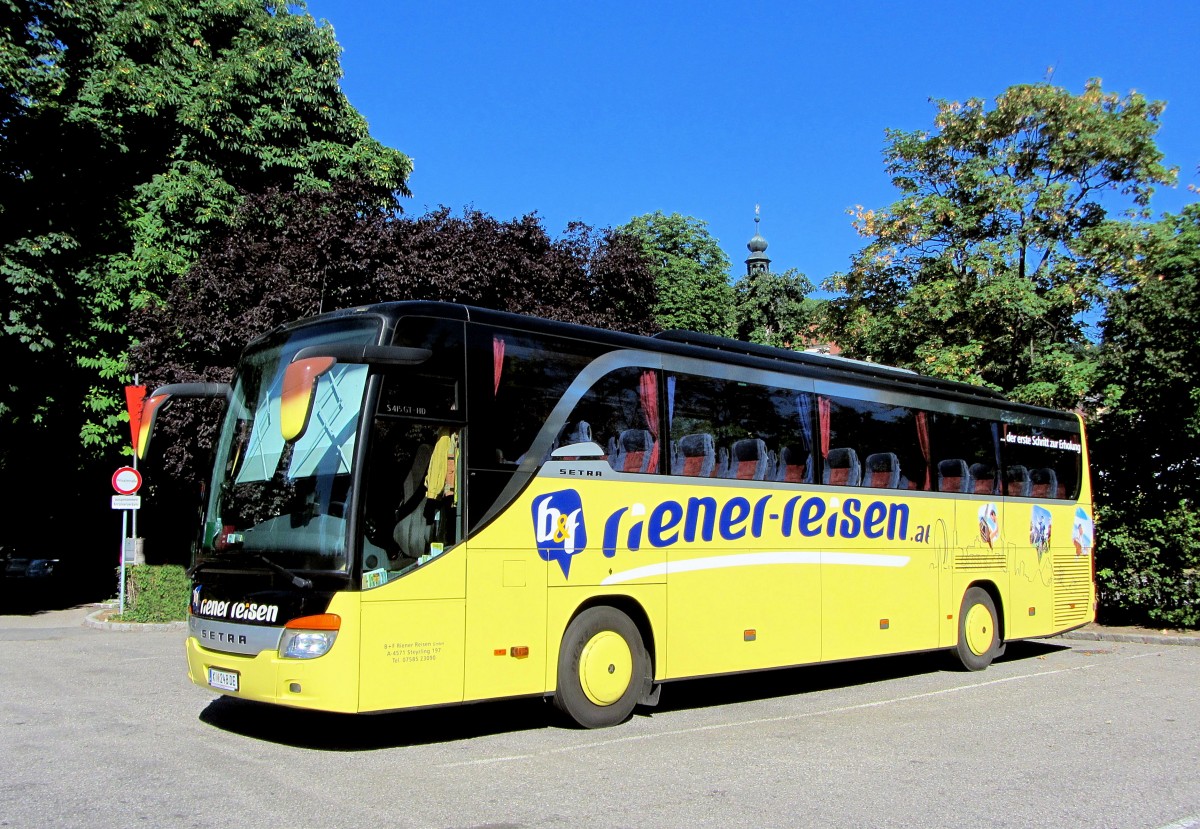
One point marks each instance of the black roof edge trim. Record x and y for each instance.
(694, 344)
(860, 367)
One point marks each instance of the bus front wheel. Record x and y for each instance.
(603, 668)
(978, 630)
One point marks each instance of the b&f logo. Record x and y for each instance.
(558, 527)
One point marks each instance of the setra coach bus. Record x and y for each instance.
(420, 504)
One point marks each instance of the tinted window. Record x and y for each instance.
(1041, 462)
(864, 443)
(733, 429)
(515, 381)
(966, 446)
(620, 413)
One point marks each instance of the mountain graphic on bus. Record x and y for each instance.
(1040, 524)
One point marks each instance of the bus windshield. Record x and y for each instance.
(288, 502)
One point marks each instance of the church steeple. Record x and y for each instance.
(758, 261)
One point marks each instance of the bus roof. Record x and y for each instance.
(703, 346)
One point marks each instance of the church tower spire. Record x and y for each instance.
(758, 261)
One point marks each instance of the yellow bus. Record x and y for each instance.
(422, 504)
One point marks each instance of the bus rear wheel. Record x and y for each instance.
(603, 668)
(978, 630)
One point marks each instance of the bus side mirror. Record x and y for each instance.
(150, 408)
(163, 395)
(296, 397)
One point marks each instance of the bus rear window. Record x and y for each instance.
(1041, 462)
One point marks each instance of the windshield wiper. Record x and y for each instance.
(296, 580)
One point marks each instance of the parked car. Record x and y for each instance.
(18, 567)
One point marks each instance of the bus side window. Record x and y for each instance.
(874, 444)
(698, 411)
(739, 430)
(970, 445)
(621, 416)
(411, 511)
(1041, 462)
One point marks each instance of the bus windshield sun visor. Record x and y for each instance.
(386, 355)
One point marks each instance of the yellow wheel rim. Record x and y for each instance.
(605, 667)
(981, 629)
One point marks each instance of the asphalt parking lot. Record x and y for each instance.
(101, 728)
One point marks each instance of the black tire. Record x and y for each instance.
(978, 630)
(603, 668)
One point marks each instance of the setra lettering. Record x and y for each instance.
(223, 637)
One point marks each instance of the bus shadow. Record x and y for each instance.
(809, 679)
(323, 731)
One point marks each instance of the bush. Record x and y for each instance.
(155, 593)
(1149, 571)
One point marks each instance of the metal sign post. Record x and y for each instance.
(124, 535)
(126, 481)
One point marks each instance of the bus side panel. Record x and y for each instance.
(746, 602)
(598, 538)
(883, 597)
(1031, 541)
(742, 616)
(984, 546)
(506, 618)
(413, 635)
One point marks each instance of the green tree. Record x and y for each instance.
(1145, 435)
(290, 255)
(1001, 240)
(129, 132)
(691, 272)
(774, 309)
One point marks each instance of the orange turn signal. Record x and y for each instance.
(322, 621)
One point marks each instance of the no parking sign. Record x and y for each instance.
(127, 480)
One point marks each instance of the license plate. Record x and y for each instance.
(225, 680)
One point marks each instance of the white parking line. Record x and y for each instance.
(1192, 822)
(791, 717)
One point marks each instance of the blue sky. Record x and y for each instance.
(603, 111)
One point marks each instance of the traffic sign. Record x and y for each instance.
(126, 502)
(127, 480)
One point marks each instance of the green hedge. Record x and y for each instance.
(155, 593)
(1148, 572)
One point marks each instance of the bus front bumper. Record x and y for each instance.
(327, 683)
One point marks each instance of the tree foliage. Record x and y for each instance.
(1002, 239)
(290, 255)
(774, 309)
(691, 272)
(1145, 435)
(129, 130)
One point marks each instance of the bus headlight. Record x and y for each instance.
(309, 636)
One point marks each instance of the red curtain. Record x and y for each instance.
(648, 396)
(497, 363)
(823, 417)
(923, 439)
